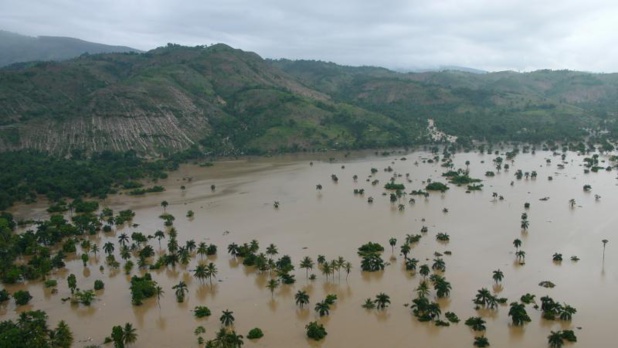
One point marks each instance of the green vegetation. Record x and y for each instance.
(201, 311)
(436, 186)
(315, 331)
(31, 330)
(142, 288)
(255, 333)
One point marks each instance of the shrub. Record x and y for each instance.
(255, 334)
(315, 331)
(98, 284)
(50, 283)
(201, 312)
(22, 297)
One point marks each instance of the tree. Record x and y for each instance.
(123, 239)
(164, 204)
(302, 298)
(405, 250)
(130, 334)
(517, 244)
(347, 267)
(159, 235)
(604, 243)
(392, 242)
(424, 270)
(555, 339)
(72, 282)
(61, 337)
(572, 203)
(518, 314)
(94, 249)
(181, 290)
(498, 276)
(382, 301)
(315, 331)
(233, 249)
(271, 250)
(442, 287)
(272, 286)
(108, 248)
(481, 341)
(521, 256)
(322, 308)
(307, 264)
(227, 318)
(122, 337)
(159, 292)
(476, 323)
(211, 272)
(438, 264)
(200, 272)
(524, 225)
(202, 249)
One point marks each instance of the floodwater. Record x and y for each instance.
(334, 222)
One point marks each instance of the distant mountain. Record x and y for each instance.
(16, 48)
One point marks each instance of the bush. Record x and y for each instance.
(4, 295)
(436, 186)
(99, 285)
(201, 312)
(255, 334)
(370, 248)
(315, 331)
(22, 297)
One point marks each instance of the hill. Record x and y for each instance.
(224, 101)
(15, 48)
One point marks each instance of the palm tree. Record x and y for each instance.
(604, 243)
(211, 272)
(327, 269)
(521, 255)
(572, 202)
(321, 259)
(485, 298)
(233, 249)
(442, 287)
(271, 250)
(200, 272)
(481, 341)
(272, 286)
(405, 250)
(555, 339)
(498, 276)
(164, 204)
(227, 318)
(392, 242)
(302, 298)
(202, 250)
(382, 301)
(181, 289)
(439, 264)
(190, 245)
(423, 289)
(108, 248)
(476, 323)
(566, 312)
(411, 264)
(322, 308)
(424, 270)
(518, 314)
(159, 235)
(517, 244)
(129, 334)
(123, 239)
(159, 292)
(524, 225)
(307, 264)
(347, 267)
(94, 249)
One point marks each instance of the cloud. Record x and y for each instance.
(484, 34)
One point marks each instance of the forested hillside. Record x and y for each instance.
(223, 101)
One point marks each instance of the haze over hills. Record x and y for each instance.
(226, 101)
(16, 48)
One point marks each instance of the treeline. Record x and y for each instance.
(28, 174)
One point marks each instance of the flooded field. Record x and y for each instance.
(334, 222)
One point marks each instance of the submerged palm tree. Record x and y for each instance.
(181, 290)
(604, 243)
(382, 301)
(307, 264)
(498, 276)
(302, 298)
(227, 318)
(272, 286)
(322, 308)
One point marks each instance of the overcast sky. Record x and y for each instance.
(490, 35)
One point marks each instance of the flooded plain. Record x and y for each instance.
(334, 222)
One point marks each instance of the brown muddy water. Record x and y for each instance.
(334, 222)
